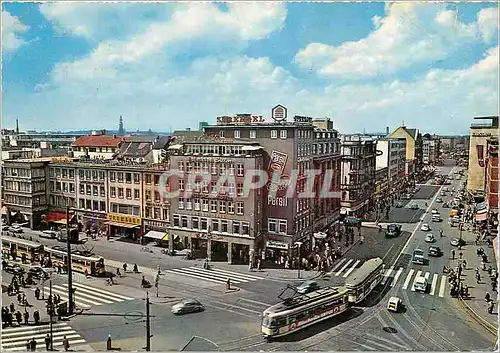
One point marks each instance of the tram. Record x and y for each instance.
(19, 248)
(362, 281)
(90, 264)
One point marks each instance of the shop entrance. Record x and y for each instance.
(240, 254)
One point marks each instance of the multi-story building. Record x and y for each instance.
(62, 190)
(481, 130)
(358, 174)
(430, 149)
(491, 190)
(25, 190)
(155, 207)
(391, 155)
(98, 145)
(414, 155)
(289, 152)
(213, 214)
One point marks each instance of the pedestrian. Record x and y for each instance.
(47, 342)
(65, 343)
(33, 345)
(460, 254)
(28, 345)
(478, 278)
(19, 317)
(12, 307)
(487, 297)
(37, 293)
(453, 254)
(19, 298)
(36, 317)
(26, 316)
(490, 307)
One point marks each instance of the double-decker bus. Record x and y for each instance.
(362, 281)
(19, 248)
(90, 264)
(296, 313)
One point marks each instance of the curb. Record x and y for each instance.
(491, 328)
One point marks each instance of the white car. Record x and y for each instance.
(425, 227)
(421, 284)
(50, 234)
(429, 238)
(435, 211)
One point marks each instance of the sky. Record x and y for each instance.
(168, 66)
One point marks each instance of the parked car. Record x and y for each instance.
(434, 211)
(414, 206)
(50, 234)
(435, 251)
(187, 306)
(38, 272)
(15, 269)
(425, 227)
(457, 242)
(307, 287)
(439, 199)
(429, 238)
(436, 218)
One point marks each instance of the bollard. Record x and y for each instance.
(228, 284)
(108, 343)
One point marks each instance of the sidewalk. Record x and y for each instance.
(476, 304)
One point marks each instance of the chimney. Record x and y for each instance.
(387, 130)
(17, 126)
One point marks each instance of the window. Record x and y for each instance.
(239, 208)
(113, 191)
(95, 205)
(253, 134)
(239, 189)
(157, 180)
(129, 194)
(148, 179)
(180, 166)
(64, 173)
(101, 191)
(232, 190)
(81, 203)
(240, 169)
(181, 204)
(223, 226)
(221, 133)
(222, 206)
(213, 205)
(274, 134)
(120, 193)
(112, 175)
(236, 227)
(196, 204)
(283, 134)
(128, 178)
(136, 194)
(101, 175)
(82, 189)
(195, 223)
(157, 196)
(272, 225)
(102, 206)
(148, 195)
(222, 169)
(189, 204)
(205, 168)
(282, 226)
(204, 223)
(136, 178)
(215, 225)
(148, 212)
(237, 134)
(245, 228)
(204, 205)
(181, 185)
(88, 189)
(231, 168)
(184, 221)
(120, 177)
(176, 220)
(71, 187)
(230, 207)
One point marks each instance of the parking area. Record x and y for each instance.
(426, 192)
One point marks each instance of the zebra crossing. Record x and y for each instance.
(437, 282)
(14, 339)
(214, 275)
(87, 296)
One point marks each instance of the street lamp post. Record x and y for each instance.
(68, 255)
(298, 244)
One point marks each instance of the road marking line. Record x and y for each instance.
(427, 274)
(22, 339)
(388, 341)
(55, 344)
(386, 275)
(12, 329)
(83, 294)
(34, 332)
(337, 265)
(351, 269)
(419, 273)
(254, 301)
(443, 284)
(109, 294)
(408, 278)
(238, 274)
(181, 272)
(63, 293)
(343, 267)
(395, 279)
(433, 285)
(212, 274)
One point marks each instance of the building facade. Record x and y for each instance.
(414, 153)
(392, 155)
(431, 147)
(481, 130)
(358, 174)
(96, 146)
(491, 191)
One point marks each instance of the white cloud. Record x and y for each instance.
(192, 24)
(12, 28)
(409, 34)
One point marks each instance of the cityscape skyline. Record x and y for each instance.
(439, 69)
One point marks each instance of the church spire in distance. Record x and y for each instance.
(121, 130)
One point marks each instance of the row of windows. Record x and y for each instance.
(127, 177)
(95, 149)
(228, 188)
(64, 186)
(275, 225)
(91, 174)
(212, 168)
(157, 213)
(125, 209)
(23, 186)
(214, 149)
(25, 201)
(121, 193)
(214, 206)
(24, 172)
(216, 225)
(61, 201)
(67, 173)
(94, 190)
(92, 205)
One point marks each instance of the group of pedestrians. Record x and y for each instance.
(9, 314)
(31, 344)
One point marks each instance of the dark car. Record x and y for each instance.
(307, 287)
(187, 306)
(393, 230)
(15, 269)
(434, 250)
(457, 242)
(38, 272)
(399, 204)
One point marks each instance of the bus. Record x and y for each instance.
(91, 264)
(362, 281)
(20, 248)
(296, 313)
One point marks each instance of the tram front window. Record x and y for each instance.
(268, 322)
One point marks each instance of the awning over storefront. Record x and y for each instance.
(123, 225)
(56, 217)
(166, 237)
(156, 235)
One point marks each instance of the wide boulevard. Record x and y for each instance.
(231, 320)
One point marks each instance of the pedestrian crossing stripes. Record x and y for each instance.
(392, 275)
(14, 339)
(87, 296)
(214, 275)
